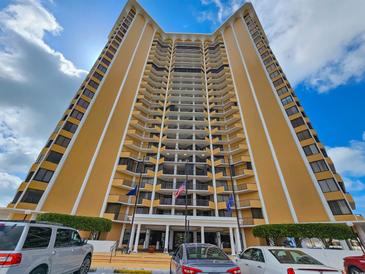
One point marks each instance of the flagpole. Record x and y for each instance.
(232, 172)
(137, 195)
(186, 203)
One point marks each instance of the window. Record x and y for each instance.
(38, 237)
(271, 68)
(62, 141)
(339, 207)
(77, 114)
(264, 55)
(292, 110)
(328, 185)
(17, 196)
(287, 100)
(319, 166)
(310, 150)
(43, 175)
(304, 135)
(282, 91)
(102, 68)
(98, 76)
(32, 196)
(110, 55)
(257, 213)
(253, 254)
(105, 61)
(29, 176)
(10, 235)
(82, 103)
(49, 143)
(88, 93)
(274, 74)
(93, 84)
(54, 157)
(285, 256)
(297, 122)
(67, 237)
(278, 82)
(205, 252)
(70, 127)
(268, 60)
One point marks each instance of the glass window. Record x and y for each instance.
(319, 166)
(205, 252)
(282, 91)
(38, 237)
(285, 256)
(310, 150)
(247, 254)
(43, 175)
(339, 207)
(287, 100)
(82, 103)
(102, 68)
(32, 196)
(62, 141)
(10, 235)
(16, 197)
(67, 237)
(256, 255)
(297, 122)
(292, 110)
(304, 135)
(76, 114)
(70, 127)
(54, 157)
(98, 76)
(88, 93)
(274, 74)
(278, 82)
(93, 84)
(257, 213)
(328, 185)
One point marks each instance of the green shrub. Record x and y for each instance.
(315, 230)
(93, 224)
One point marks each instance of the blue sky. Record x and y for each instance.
(47, 46)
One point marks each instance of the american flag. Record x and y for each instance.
(180, 190)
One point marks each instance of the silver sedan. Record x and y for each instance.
(201, 258)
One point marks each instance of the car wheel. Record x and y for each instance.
(85, 266)
(355, 270)
(39, 270)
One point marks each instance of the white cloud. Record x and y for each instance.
(222, 9)
(36, 85)
(349, 160)
(8, 186)
(353, 185)
(320, 43)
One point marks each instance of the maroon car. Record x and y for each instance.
(355, 264)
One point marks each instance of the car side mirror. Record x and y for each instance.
(83, 242)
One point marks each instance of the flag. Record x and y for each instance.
(180, 190)
(230, 203)
(132, 192)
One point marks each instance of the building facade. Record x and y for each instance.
(160, 109)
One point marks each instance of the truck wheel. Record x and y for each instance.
(85, 266)
(39, 270)
(355, 270)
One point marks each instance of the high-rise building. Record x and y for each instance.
(161, 109)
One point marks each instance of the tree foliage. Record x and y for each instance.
(314, 230)
(93, 224)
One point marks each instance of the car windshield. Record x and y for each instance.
(205, 252)
(290, 256)
(9, 236)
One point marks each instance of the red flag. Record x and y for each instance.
(180, 190)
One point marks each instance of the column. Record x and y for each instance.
(219, 240)
(202, 236)
(166, 245)
(135, 249)
(238, 241)
(360, 233)
(171, 240)
(195, 236)
(121, 236)
(131, 237)
(147, 238)
(232, 241)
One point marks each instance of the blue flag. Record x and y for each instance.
(230, 203)
(132, 192)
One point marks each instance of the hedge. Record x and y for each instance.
(313, 230)
(93, 224)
